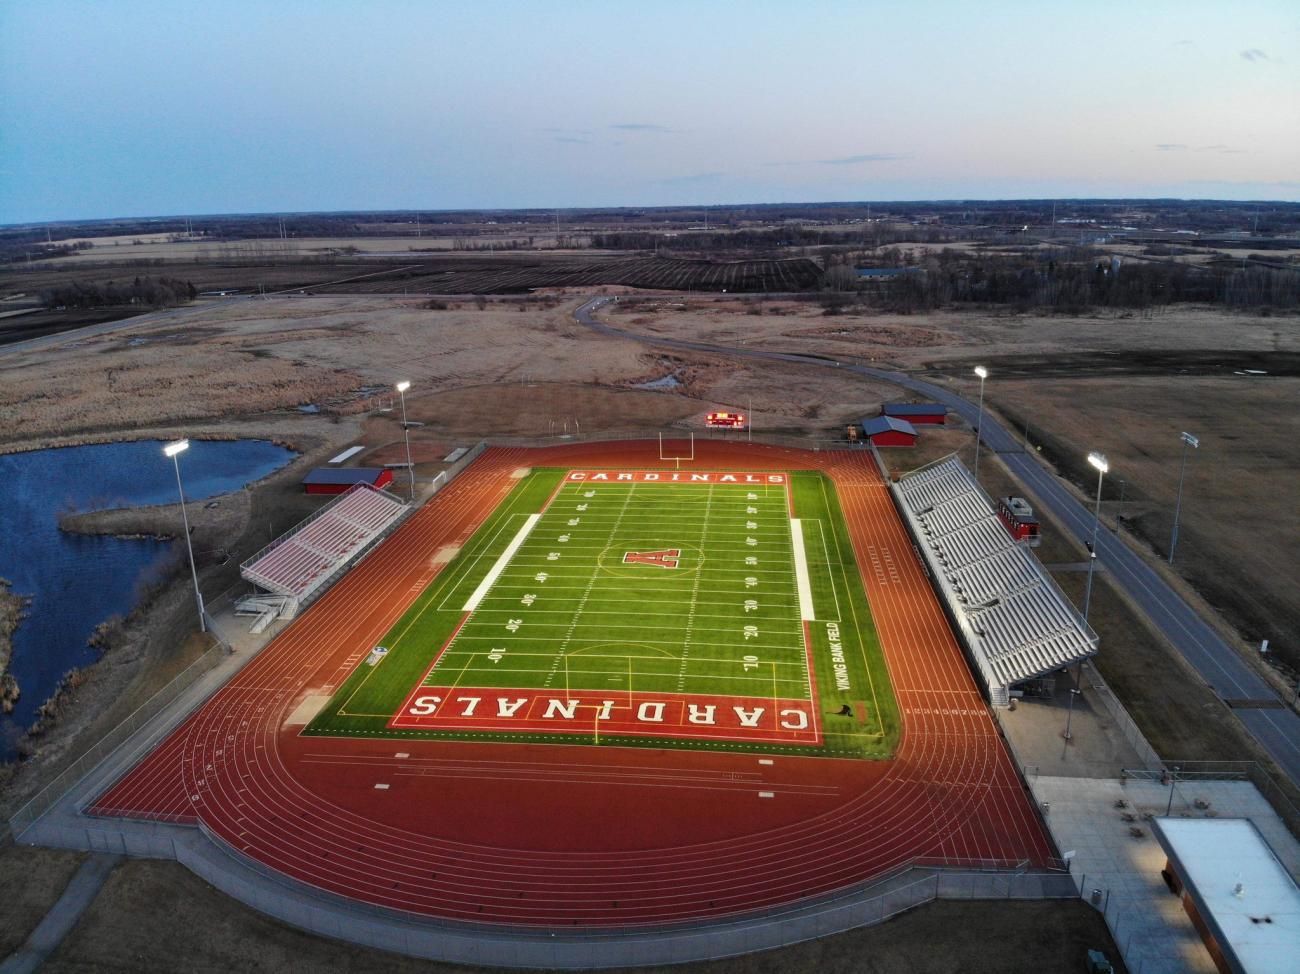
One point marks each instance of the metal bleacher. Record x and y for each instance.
(298, 563)
(1015, 621)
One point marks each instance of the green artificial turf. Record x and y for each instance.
(568, 612)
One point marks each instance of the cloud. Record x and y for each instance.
(573, 138)
(1181, 147)
(641, 127)
(699, 177)
(1254, 54)
(864, 157)
(1183, 43)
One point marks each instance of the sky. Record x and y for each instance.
(122, 108)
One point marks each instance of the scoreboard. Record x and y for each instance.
(734, 421)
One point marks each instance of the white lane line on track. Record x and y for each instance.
(500, 566)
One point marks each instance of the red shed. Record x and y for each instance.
(335, 480)
(888, 431)
(917, 413)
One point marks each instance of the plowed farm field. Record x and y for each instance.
(519, 275)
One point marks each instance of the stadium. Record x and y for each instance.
(637, 684)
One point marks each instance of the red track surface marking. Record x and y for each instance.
(636, 714)
(583, 835)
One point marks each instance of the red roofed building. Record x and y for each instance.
(888, 431)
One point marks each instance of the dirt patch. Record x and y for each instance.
(445, 554)
(129, 928)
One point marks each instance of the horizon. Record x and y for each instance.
(239, 108)
(1055, 200)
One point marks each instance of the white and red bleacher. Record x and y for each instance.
(299, 562)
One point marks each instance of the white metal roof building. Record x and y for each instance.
(1014, 620)
(1237, 892)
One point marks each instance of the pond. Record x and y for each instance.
(75, 582)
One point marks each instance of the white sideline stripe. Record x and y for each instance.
(801, 572)
(500, 566)
(381, 787)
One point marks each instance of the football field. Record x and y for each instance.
(694, 609)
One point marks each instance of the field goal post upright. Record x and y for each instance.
(678, 459)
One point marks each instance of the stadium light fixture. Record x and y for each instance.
(1099, 461)
(174, 450)
(983, 373)
(1188, 440)
(406, 433)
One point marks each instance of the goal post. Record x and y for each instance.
(679, 458)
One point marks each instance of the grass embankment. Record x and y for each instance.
(11, 615)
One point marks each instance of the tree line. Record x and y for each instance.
(151, 292)
(1069, 286)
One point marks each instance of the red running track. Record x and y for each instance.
(580, 835)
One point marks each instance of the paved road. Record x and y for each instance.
(1274, 725)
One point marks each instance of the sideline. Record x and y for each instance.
(81, 891)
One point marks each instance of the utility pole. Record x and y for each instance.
(1188, 440)
(1099, 461)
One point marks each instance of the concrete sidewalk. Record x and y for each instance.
(63, 916)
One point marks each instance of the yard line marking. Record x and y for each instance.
(806, 612)
(500, 566)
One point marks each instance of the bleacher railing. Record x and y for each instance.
(1043, 577)
(251, 574)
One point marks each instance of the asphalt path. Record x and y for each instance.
(1272, 723)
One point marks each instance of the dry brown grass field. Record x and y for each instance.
(939, 338)
(1239, 538)
(159, 246)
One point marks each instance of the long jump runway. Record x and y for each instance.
(584, 836)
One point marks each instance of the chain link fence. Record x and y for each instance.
(119, 736)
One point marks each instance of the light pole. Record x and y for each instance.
(406, 432)
(1098, 461)
(174, 450)
(1069, 716)
(1172, 779)
(1194, 443)
(983, 373)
